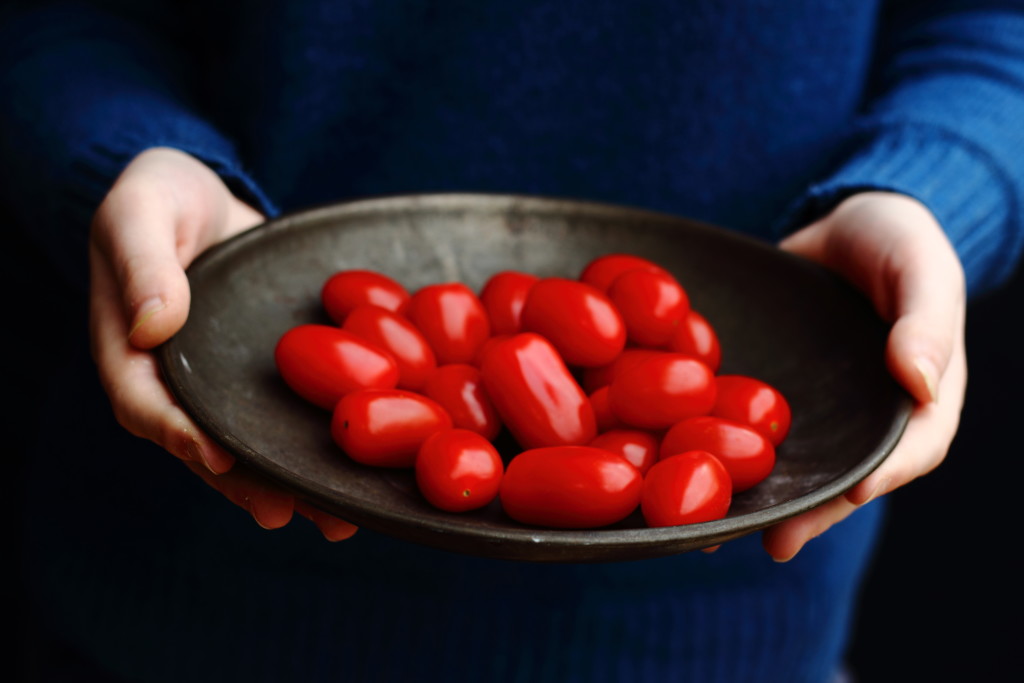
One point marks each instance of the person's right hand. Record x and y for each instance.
(163, 210)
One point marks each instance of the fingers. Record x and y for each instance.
(783, 541)
(131, 379)
(271, 507)
(332, 528)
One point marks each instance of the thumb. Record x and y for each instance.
(136, 234)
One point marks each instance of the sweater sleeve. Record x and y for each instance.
(88, 87)
(943, 123)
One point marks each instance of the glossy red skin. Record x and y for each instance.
(347, 289)
(399, 337)
(574, 487)
(662, 390)
(651, 304)
(687, 488)
(535, 394)
(385, 427)
(748, 456)
(755, 403)
(695, 336)
(580, 321)
(595, 378)
(459, 389)
(452, 320)
(322, 363)
(458, 470)
(503, 297)
(602, 406)
(602, 271)
(640, 448)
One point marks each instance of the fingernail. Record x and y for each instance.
(930, 375)
(195, 453)
(879, 490)
(146, 311)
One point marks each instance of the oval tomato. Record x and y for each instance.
(606, 419)
(322, 363)
(399, 337)
(695, 337)
(452, 320)
(347, 289)
(459, 389)
(747, 456)
(651, 305)
(577, 319)
(687, 488)
(640, 448)
(602, 376)
(385, 427)
(602, 271)
(661, 390)
(503, 296)
(535, 394)
(458, 470)
(570, 487)
(755, 403)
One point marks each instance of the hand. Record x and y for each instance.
(163, 210)
(892, 249)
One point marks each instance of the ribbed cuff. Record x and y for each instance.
(965, 190)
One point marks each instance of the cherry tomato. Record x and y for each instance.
(748, 456)
(577, 319)
(458, 470)
(687, 488)
(535, 394)
(661, 390)
(602, 376)
(640, 448)
(570, 487)
(399, 337)
(755, 403)
(347, 289)
(385, 427)
(651, 304)
(503, 297)
(322, 363)
(459, 389)
(695, 337)
(602, 271)
(452, 319)
(606, 419)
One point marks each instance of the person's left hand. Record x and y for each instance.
(891, 248)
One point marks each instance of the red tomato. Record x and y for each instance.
(602, 271)
(661, 390)
(322, 363)
(347, 289)
(603, 411)
(458, 470)
(570, 487)
(385, 427)
(535, 394)
(399, 337)
(452, 319)
(695, 337)
(595, 378)
(651, 304)
(687, 488)
(460, 391)
(638, 447)
(503, 297)
(748, 456)
(753, 402)
(577, 319)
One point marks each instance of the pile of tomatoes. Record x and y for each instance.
(608, 383)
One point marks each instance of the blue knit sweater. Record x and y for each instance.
(755, 115)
